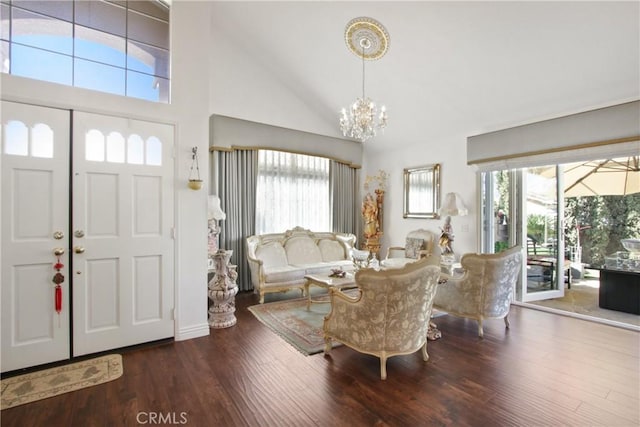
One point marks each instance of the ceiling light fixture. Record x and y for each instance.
(368, 39)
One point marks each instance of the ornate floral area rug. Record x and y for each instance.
(38, 385)
(298, 326)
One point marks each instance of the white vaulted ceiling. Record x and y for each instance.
(452, 69)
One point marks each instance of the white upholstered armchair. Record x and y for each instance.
(418, 244)
(485, 290)
(390, 315)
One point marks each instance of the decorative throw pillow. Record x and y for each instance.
(413, 247)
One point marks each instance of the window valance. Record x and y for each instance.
(603, 133)
(228, 133)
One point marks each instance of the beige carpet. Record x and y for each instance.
(62, 379)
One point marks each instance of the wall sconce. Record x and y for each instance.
(195, 183)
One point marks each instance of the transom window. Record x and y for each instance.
(116, 47)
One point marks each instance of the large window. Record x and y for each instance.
(115, 47)
(293, 190)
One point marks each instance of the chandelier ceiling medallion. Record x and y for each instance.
(369, 40)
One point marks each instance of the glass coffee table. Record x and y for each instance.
(327, 282)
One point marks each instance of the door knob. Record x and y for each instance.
(78, 233)
(58, 235)
(58, 251)
(78, 249)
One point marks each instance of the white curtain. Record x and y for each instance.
(292, 190)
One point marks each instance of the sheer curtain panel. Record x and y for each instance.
(292, 190)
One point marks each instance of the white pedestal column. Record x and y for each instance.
(222, 291)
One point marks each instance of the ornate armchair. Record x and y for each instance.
(418, 244)
(485, 290)
(390, 315)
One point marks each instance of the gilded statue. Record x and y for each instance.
(370, 215)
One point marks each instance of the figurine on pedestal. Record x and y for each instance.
(214, 216)
(222, 287)
(452, 206)
(372, 215)
(222, 291)
(373, 212)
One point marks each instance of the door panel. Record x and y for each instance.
(35, 206)
(122, 220)
(543, 212)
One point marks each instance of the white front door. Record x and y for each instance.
(35, 221)
(122, 232)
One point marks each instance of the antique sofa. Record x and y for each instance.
(279, 261)
(389, 316)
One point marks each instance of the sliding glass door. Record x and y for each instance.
(525, 207)
(542, 230)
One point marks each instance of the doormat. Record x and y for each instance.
(51, 382)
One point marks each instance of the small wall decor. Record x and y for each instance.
(195, 183)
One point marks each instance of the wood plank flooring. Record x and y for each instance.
(547, 370)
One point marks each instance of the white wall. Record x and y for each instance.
(190, 115)
(190, 105)
(253, 86)
(455, 176)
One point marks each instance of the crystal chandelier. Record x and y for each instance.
(368, 39)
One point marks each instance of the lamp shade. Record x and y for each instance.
(214, 210)
(453, 205)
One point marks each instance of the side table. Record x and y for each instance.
(222, 291)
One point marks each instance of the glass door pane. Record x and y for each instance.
(498, 230)
(542, 230)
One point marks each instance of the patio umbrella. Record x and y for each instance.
(608, 177)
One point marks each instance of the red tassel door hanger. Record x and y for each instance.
(58, 278)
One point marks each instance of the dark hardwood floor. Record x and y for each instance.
(547, 370)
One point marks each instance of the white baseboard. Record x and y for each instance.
(191, 332)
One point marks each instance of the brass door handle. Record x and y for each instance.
(78, 249)
(58, 251)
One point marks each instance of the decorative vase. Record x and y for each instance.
(222, 291)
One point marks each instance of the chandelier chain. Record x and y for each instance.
(362, 119)
(363, 97)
